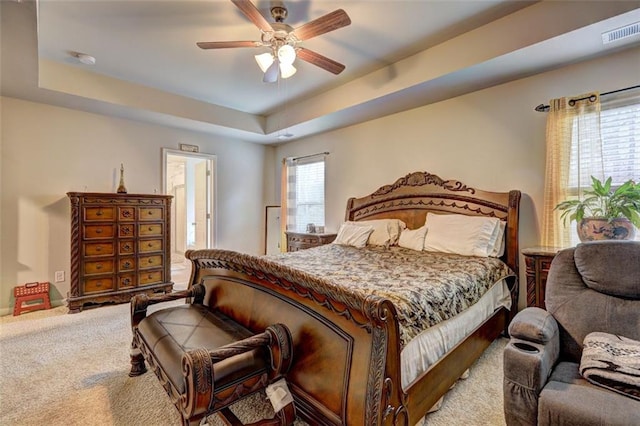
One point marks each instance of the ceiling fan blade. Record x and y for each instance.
(254, 15)
(320, 60)
(271, 75)
(226, 44)
(324, 24)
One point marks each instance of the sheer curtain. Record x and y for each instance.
(302, 193)
(287, 200)
(574, 154)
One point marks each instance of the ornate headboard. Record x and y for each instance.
(412, 196)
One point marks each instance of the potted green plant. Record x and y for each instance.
(605, 213)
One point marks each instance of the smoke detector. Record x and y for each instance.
(84, 58)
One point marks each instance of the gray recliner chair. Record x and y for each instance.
(592, 287)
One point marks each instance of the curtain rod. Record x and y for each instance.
(545, 108)
(308, 156)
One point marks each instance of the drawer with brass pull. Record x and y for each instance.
(128, 230)
(94, 285)
(127, 247)
(104, 214)
(151, 213)
(126, 264)
(99, 231)
(150, 229)
(146, 246)
(98, 267)
(150, 261)
(150, 277)
(105, 248)
(126, 213)
(126, 280)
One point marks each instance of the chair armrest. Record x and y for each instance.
(534, 325)
(529, 358)
(140, 302)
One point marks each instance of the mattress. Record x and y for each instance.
(434, 342)
(426, 288)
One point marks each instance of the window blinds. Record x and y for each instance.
(620, 128)
(306, 193)
(620, 147)
(618, 150)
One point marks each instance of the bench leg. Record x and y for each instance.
(228, 418)
(287, 415)
(194, 421)
(284, 417)
(138, 367)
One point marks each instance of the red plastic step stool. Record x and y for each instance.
(29, 292)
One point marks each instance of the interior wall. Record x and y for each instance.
(48, 151)
(491, 139)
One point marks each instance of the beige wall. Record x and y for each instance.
(47, 151)
(491, 139)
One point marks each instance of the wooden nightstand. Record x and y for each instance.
(302, 240)
(537, 261)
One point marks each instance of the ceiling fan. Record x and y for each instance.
(283, 40)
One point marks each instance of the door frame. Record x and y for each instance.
(212, 193)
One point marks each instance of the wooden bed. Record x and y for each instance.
(346, 367)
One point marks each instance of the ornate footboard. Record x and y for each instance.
(346, 365)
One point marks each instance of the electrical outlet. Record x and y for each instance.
(59, 276)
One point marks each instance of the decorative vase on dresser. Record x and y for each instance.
(120, 246)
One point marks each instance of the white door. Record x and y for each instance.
(179, 222)
(200, 223)
(190, 178)
(272, 230)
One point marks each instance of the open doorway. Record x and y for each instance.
(190, 178)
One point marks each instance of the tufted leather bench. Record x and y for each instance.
(205, 360)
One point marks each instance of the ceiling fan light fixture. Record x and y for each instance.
(286, 54)
(264, 60)
(271, 74)
(283, 40)
(287, 70)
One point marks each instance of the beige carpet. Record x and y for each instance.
(61, 369)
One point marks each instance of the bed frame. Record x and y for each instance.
(347, 364)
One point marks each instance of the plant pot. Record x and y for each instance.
(593, 229)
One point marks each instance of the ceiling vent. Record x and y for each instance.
(621, 33)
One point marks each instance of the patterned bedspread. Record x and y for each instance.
(425, 287)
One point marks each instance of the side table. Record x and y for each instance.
(303, 240)
(537, 262)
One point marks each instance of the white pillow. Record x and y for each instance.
(353, 235)
(460, 234)
(385, 231)
(498, 241)
(413, 238)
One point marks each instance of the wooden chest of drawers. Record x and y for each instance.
(300, 240)
(119, 247)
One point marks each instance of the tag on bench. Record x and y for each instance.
(279, 394)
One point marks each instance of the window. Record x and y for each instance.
(620, 128)
(587, 136)
(620, 139)
(620, 149)
(305, 192)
